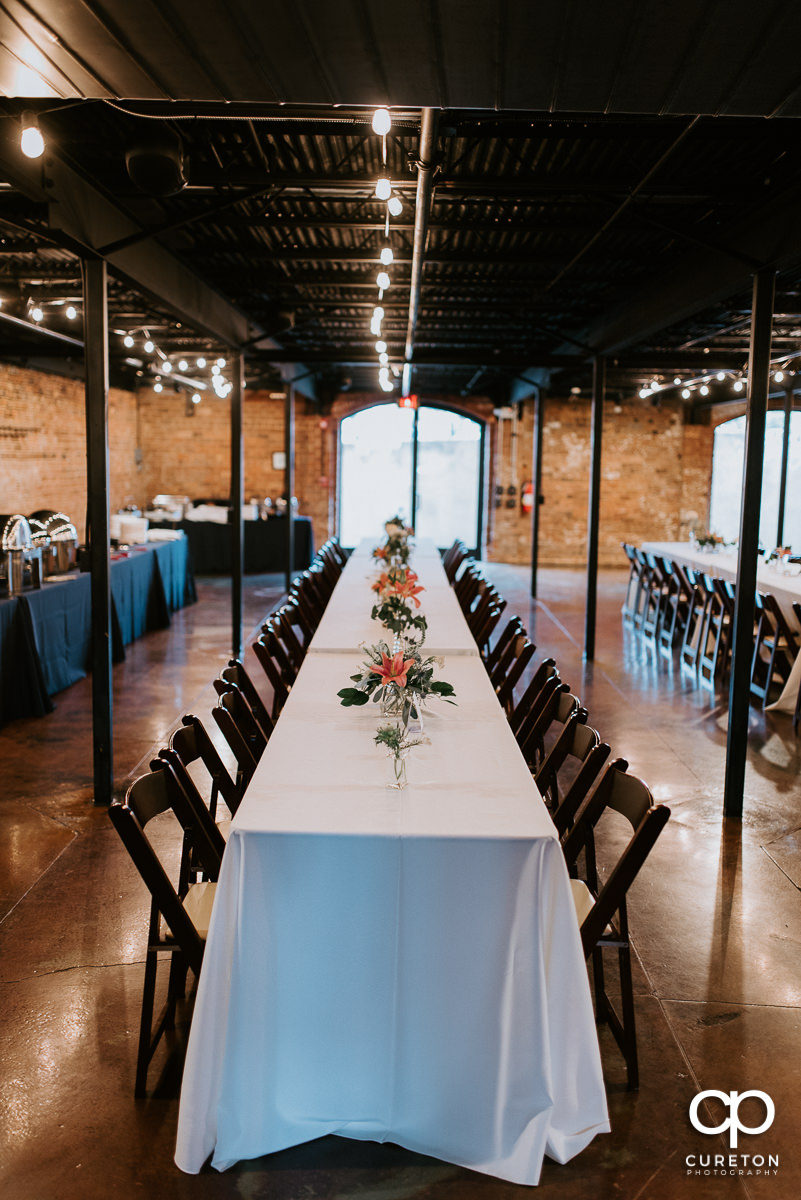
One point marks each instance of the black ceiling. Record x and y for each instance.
(604, 179)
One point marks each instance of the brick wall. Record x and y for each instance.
(655, 469)
(43, 445)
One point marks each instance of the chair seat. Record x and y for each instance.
(583, 899)
(198, 902)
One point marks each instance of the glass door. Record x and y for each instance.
(448, 492)
(375, 470)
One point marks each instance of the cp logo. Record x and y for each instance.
(733, 1100)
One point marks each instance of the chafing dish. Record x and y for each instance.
(168, 508)
(63, 550)
(20, 559)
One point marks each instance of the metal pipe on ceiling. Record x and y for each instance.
(422, 211)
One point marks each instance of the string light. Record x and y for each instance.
(704, 390)
(383, 358)
(387, 256)
(721, 375)
(383, 189)
(183, 365)
(166, 366)
(36, 313)
(686, 393)
(196, 397)
(70, 312)
(157, 387)
(220, 362)
(128, 341)
(395, 206)
(381, 347)
(739, 385)
(149, 347)
(31, 142)
(201, 362)
(676, 381)
(778, 376)
(382, 279)
(382, 122)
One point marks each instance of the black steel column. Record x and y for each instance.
(413, 515)
(743, 633)
(594, 503)
(97, 522)
(536, 486)
(237, 488)
(289, 480)
(788, 408)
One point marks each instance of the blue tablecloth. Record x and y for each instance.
(264, 545)
(45, 634)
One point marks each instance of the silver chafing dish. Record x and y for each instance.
(62, 553)
(20, 558)
(168, 508)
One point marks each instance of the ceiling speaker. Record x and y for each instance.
(158, 165)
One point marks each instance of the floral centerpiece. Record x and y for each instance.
(398, 590)
(705, 539)
(396, 548)
(400, 681)
(398, 743)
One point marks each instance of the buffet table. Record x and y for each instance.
(264, 545)
(392, 965)
(45, 634)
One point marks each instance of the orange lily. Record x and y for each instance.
(381, 582)
(408, 591)
(393, 670)
(380, 552)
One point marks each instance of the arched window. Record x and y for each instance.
(426, 464)
(727, 481)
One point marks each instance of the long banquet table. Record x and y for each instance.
(392, 965)
(723, 564)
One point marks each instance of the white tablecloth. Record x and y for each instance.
(786, 589)
(400, 966)
(346, 621)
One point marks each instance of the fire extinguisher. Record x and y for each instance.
(527, 497)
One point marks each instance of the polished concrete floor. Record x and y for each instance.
(715, 918)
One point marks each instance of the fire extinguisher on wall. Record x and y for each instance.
(527, 497)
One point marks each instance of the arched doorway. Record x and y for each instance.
(427, 464)
(727, 476)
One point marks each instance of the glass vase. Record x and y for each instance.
(399, 780)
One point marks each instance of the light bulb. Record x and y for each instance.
(383, 189)
(157, 387)
(201, 362)
(704, 390)
(395, 206)
(686, 393)
(183, 365)
(378, 314)
(31, 141)
(676, 381)
(739, 385)
(778, 376)
(149, 347)
(128, 341)
(220, 362)
(382, 279)
(387, 255)
(386, 385)
(644, 392)
(215, 370)
(196, 397)
(70, 312)
(36, 313)
(166, 367)
(721, 375)
(383, 358)
(382, 121)
(380, 346)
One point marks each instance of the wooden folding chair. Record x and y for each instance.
(570, 769)
(179, 912)
(601, 906)
(191, 743)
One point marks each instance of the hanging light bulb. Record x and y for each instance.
(183, 365)
(383, 189)
(395, 206)
(196, 397)
(382, 122)
(644, 392)
(386, 255)
(686, 393)
(378, 314)
(704, 390)
(166, 367)
(220, 362)
(70, 312)
(36, 313)
(739, 384)
(31, 141)
(721, 375)
(149, 347)
(215, 370)
(375, 327)
(382, 279)
(383, 358)
(778, 376)
(128, 341)
(676, 381)
(380, 346)
(157, 387)
(201, 362)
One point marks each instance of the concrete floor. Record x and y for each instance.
(715, 918)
